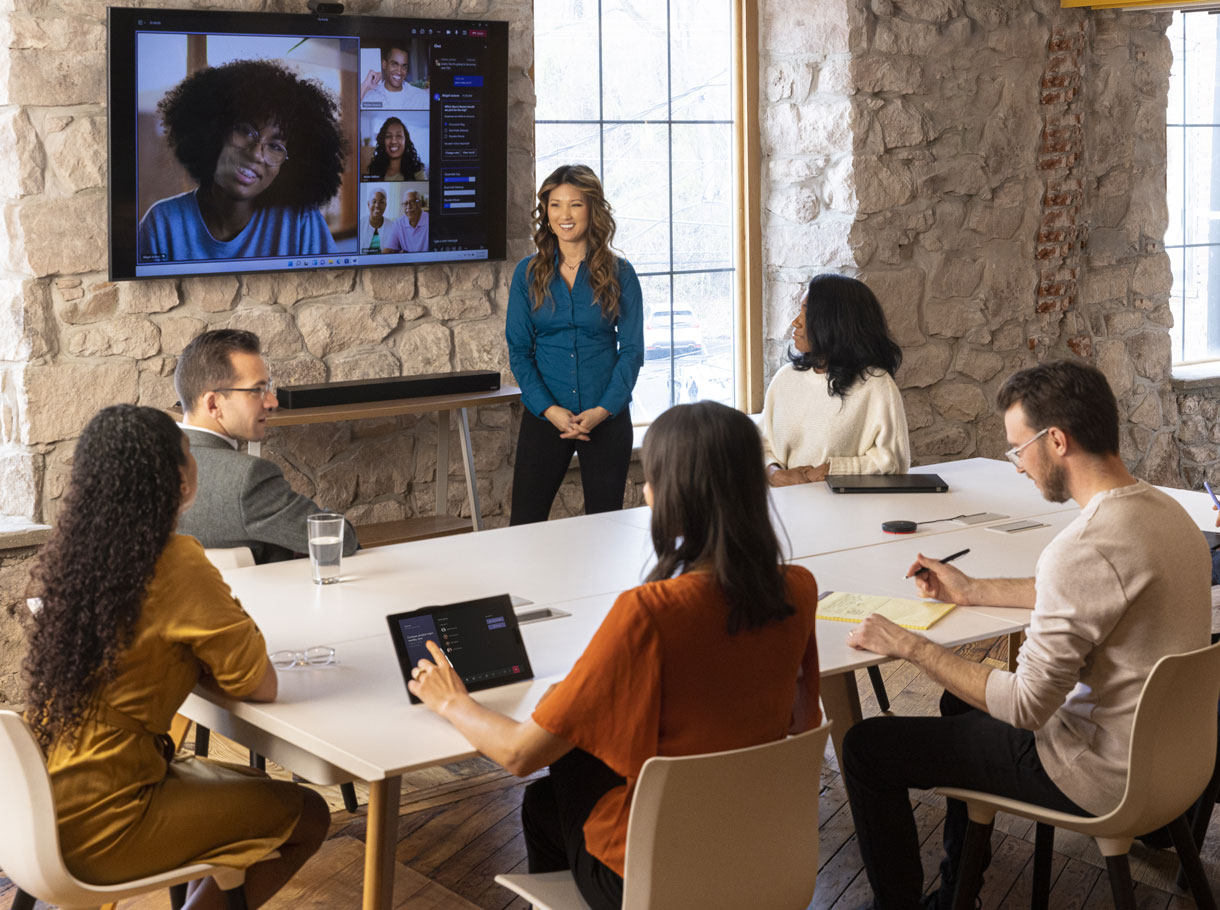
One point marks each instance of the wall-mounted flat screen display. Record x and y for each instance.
(244, 142)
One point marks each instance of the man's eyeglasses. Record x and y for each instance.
(273, 151)
(1014, 454)
(319, 656)
(262, 391)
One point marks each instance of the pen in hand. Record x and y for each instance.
(949, 558)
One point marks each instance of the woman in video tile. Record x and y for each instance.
(395, 157)
(663, 673)
(266, 149)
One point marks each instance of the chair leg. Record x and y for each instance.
(258, 762)
(1121, 888)
(883, 699)
(235, 899)
(203, 739)
(1044, 843)
(1188, 856)
(23, 901)
(970, 866)
(1202, 813)
(349, 797)
(177, 895)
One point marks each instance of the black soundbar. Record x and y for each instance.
(392, 388)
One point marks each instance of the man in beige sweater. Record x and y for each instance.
(1121, 586)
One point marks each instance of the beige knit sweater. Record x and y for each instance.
(864, 433)
(1127, 582)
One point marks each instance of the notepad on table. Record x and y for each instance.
(906, 612)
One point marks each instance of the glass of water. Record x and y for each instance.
(325, 546)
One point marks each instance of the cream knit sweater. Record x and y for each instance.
(864, 433)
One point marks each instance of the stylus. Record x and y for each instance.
(1212, 493)
(923, 569)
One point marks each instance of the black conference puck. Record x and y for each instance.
(898, 527)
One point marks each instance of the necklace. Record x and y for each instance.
(573, 268)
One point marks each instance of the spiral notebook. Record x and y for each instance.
(906, 612)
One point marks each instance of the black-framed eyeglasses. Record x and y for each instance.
(261, 390)
(273, 151)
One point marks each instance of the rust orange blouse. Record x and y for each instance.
(662, 676)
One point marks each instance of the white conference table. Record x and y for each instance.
(353, 720)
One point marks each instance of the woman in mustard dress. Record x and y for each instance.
(133, 617)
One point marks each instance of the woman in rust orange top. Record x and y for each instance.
(716, 651)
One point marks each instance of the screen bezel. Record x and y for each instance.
(499, 601)
(122, 119)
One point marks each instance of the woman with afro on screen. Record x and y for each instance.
(266, 150)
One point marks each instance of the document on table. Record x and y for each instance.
(908, 613)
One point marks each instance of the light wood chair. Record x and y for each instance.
(1172, 755)
(29, 839)
(718, 831)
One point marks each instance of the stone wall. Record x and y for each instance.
(995, 170)
(72, 342)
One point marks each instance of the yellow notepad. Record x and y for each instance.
(908, 613)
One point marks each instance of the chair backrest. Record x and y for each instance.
(1173, 739)
(230, 557)
(29, 836)
(727, 830)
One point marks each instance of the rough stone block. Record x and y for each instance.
(959, 401)
(395, 284)
(212, 294)
(924, 365)
(375, 364)
(1151, 353)
(62, 397)
(901, 125)
(956, 277)
(431, 281)
(978, 365)
(20, 483)
(1113, 361)
(1153, 277)
(77, 154)
(97, 302)
(25, 160)
(158, 296)
(331, 327)
(480, 346)
(126, 336)
(177, 332)
(40, 240)
(899, 292)
(881, 185)
(952, 317)
(26, 332)
(300, 370)
(48, 77)
(426, 349)
(1098, 285)
(799, 205)
(276, 330)
(460, 306)
(793, 27)
(938, 441)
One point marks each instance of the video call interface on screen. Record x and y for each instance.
(479, 643)
(407, 113)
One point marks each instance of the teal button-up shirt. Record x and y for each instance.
(566, 352)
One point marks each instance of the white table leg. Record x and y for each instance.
(381, 839)
(442, 463)
(472, 486)
(841, 699)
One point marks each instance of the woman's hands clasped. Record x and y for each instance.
(787, 477)
(435, 682)
(575, 426)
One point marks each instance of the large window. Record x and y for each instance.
(641, 91)
(1193, 238)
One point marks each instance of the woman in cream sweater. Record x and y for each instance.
(835, 409)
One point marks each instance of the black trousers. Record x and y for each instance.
(543, 459)
(553, 814)
(884, 757)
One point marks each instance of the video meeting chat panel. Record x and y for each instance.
(408, 112)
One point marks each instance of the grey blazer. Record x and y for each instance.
(244, 501)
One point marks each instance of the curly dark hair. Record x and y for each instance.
(380, 162)
(847, 333)
(120, 509)
(199, 112)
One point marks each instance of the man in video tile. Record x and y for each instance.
(266, 150)
(409, 233)
(390, 88)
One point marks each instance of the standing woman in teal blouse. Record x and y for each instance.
(575, 333)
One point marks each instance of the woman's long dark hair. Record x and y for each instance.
(847, 333)
(599, 258)
(118, 514)
(704, 463)
(409, 166)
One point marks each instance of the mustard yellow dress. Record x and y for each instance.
(126, 808)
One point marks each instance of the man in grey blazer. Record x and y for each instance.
(244, 501)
